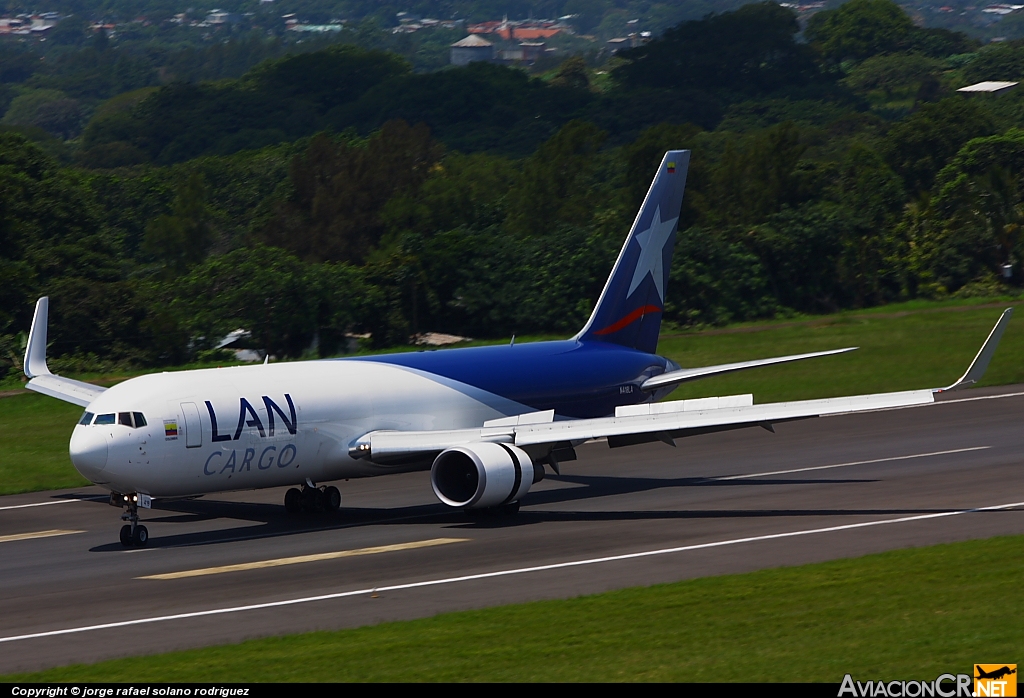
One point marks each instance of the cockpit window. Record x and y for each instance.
(86, 418)
(105, 419)
(131, 420)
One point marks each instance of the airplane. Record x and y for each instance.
(996, 674)
(485, 421)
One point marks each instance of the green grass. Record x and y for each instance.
(34, 433)
(920, 344)
(908, 614)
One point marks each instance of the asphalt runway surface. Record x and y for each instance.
(225, 568)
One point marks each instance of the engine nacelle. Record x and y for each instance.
(482, 475)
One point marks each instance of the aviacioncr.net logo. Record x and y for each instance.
(944, 686)
(995, 680)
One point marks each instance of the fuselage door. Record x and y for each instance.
(193, 427)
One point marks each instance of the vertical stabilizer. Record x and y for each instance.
(630, 307)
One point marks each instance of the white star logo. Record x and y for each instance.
(652, 248)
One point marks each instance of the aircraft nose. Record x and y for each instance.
(89, 451)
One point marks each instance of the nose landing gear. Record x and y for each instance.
(312, 499)
(133, 534)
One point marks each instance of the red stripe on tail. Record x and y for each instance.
(635, 315)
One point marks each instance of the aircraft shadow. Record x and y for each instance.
(271, 521)
(607, 486)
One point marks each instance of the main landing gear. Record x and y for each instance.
(133, 534)
(312, 499)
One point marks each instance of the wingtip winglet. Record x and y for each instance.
(35, 349)
(977, 369)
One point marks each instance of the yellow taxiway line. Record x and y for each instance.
(299, 559)
(36, 534)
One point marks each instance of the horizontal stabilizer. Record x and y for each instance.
(691, 374)
(981, 360)
(75, 392)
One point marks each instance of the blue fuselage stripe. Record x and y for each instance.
(576, 379)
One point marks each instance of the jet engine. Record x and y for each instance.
(483, 475)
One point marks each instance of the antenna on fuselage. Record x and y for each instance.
(513, 342)
(266, 360)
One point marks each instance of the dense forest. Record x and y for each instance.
(339, 191)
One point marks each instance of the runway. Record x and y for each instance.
(230, 567)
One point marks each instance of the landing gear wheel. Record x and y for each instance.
(319, 500)
(293, 501)
(510, 509)
(332, 499)
(132, 534)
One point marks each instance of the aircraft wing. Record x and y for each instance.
(539, 432)
(663, 421)
(42, 381)
(65, 389)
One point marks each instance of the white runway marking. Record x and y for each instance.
(41, 504)
(500, 573)
(857, 462)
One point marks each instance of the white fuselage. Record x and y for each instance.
(276, 424)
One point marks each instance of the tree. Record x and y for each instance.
(556, 184)
(61, 117)
(180, 240)
(1002, 62)
(573, 73)
(860, 29)
(588, 13)
(23, 107)
(892, 73)
(16, 63)
(339, 190)
(752, 50)
(799, 250)
(643, 156)
(979, 210)
(999, 204)
(263, 290)
(920, 145)
(461, 191)
(871, 195)
(53, 242)
(940, 43)
(716, 279)
(757, 176)
(70, 31)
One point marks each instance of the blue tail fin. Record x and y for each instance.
(630, 307)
